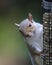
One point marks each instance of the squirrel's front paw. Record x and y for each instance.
(42, 55)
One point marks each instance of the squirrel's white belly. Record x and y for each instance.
(36, 43)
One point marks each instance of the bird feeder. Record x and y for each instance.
(47, 31)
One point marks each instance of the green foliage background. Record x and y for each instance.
(11, 41)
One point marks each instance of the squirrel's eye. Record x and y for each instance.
(29, 25)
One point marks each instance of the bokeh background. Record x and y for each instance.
(13, 49)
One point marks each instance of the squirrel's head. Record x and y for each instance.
(27, 26)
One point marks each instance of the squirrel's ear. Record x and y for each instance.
(30, 16)
(17, 25)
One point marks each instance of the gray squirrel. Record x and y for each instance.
(33, 34)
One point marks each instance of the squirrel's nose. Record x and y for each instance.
(17, 24)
